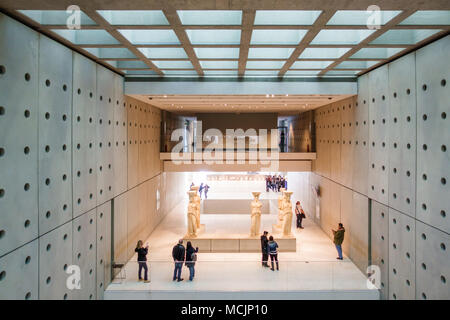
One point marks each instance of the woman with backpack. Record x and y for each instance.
(272, 247)
(191, 258)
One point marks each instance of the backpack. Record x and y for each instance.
(194, 256)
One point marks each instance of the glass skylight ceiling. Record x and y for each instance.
(277, 36)
(150, 36)
(360, 17)
(286, 17)
(217, 53)
(135, 18)
(164, 53)
(210, 17)
(428, 17)
(54, 17)
(213, 39)
(341, 37)
(404, 36)
(216, 36)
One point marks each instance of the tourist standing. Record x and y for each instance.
(201, 189)
(338, 239)
(142, 260)
(178, 252)
(273, 252)
(264, 249)
(206, 188)
(300, 214)
(191, 258)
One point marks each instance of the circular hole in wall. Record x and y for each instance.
(2, 111)
(424, 87)
(424, 237)
(443, 115)
(26, 113)
(443, 246)
(424, 117)
(27, 260)
(443, 280)
(443, 82)
(65, 296)
(2, 275)
(2, 69)
(443, 148)
(64, 87)
(27, 77)
(28, 296)
(2, 193)
(49, 279)
(408, 91)
(47, 83)
(424, 206)
(2, 152)
(47, 148)
(48, 214)
(442, 213)
(424, 266)
(407, 255)
(26, 187)
(27, 223)
(443, 181)
(49, 246)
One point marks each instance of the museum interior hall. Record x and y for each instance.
(296, 149)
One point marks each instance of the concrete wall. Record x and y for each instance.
(74, 155)
(385, 153)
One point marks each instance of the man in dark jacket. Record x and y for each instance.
(338, 239)
(265, 256)
(178, 257)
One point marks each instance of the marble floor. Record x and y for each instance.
(310, 273)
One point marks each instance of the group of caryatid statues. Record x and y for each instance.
(284, 223)
(193, 215)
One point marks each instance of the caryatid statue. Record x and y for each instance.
(281, 200)
(197, 201)
(255, 214)
(192, 215)
(287, 214)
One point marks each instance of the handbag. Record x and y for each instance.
(303, 214)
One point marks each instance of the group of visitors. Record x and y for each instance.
(204, 188)
(269, 248)
(275, 183)
(188, 255)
